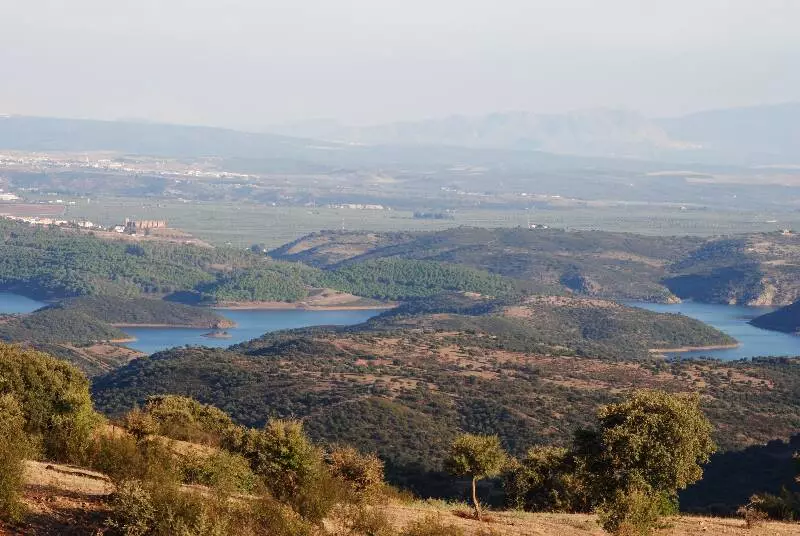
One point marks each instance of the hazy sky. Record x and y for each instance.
(249, 63)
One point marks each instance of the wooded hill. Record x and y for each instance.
(403, 385)
(759, 269)
(754, 269)
(786, 319)
(56, 263)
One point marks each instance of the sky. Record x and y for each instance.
(253, 63)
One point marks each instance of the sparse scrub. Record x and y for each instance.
(431, 525)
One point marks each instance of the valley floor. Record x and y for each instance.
(66, 500)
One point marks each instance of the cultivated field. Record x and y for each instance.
(243, 224)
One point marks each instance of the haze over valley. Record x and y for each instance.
(378, 268)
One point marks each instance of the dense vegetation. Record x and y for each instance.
(55, 263)
(757, 269)
(786, 319)
(558, 326)
(406, 391)
(54, 326)
(396, 278)
(144, 311)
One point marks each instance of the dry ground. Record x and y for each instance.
(66, 500)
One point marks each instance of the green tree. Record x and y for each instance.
(477, 457)
(645, 448)
(55, 401)
(546, 480)
(13, 447)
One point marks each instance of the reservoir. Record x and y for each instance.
(732, 319)
(250, 324)
(16, 304)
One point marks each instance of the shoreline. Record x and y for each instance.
(282, 306)
(178, 326)
(684, 349)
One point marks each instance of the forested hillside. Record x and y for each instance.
(407, 396)
(785, 319)
(55, 263)
(404, 383)
(759, 269)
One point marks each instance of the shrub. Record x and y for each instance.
(186, 419)
(783, 507)
(133, 509)
(123, 458)
(140, 424)
(55, 401)
(221, 469)
(630, 512)
(546, 480)
(13, 449)
(431, 525)
(268, 517)
(361, 520)
(282, 455)
(753, 516)
(362, 472)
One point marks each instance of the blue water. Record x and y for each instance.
(15, 304)
(732, 319)
(250, 324)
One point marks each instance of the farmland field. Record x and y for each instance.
(244, 224)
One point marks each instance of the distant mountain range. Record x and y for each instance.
(755, 135)
(767, 135)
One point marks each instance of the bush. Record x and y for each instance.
(13, 449)
(186, 419)
(123, 458)
(282, 455)
(783, 507)
(362, 472)
(268, 517)
(361, 520)
(55, 401)
(221, 469)
(431, 525)
(140, 424)
(546, 480)
(631, 512)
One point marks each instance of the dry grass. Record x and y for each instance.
(512, 523)
(67, 500)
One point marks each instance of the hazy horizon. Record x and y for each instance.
(250, 65)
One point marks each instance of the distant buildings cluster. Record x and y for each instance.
(359, 206)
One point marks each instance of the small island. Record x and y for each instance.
(218, 335)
